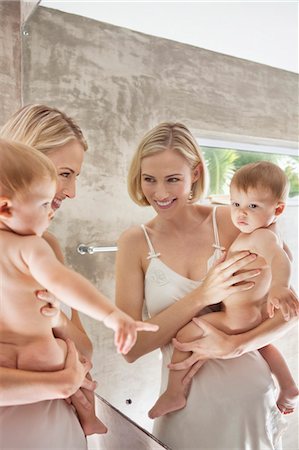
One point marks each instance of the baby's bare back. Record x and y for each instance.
(26, 337)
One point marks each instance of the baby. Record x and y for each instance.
(28, 264)
(258, 194)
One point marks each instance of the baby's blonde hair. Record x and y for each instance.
(166, 135)
(42, 127)
(20, 167)
(262, 174)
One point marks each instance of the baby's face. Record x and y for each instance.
(253, 209)
(31, 214)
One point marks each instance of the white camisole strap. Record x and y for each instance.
(216, 244)
(151, 253)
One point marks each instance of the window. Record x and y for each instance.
(223, 158)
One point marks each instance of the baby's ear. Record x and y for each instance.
(5, 207)
(279, 208)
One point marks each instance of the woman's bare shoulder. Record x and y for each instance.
(133, 236)
(132, 242)
(54, 244)
(223, 212)
(227, 231)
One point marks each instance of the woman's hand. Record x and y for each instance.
(52, 308)
(62, 326)
(77, 367)
(213, 344)
(226, 278)
(81, 397)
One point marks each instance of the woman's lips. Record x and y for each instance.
(56, 203)
(165, 204)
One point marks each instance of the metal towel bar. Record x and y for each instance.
(90, 249)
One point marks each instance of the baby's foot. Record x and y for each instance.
(167, 403)
(287, 399)
(94, 426)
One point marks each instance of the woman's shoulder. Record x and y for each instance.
(222, 211)
(227, 231)
(132, 242)
(54, 244)
(132, 236)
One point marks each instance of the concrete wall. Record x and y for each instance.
(118, 83)
(10, 58)
(13, 14)
(27, 8)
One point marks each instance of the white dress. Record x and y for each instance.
(46, 425)
(232, 402)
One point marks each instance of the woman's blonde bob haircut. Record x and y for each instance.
(43, 128)
(20, 167)
(173, 136)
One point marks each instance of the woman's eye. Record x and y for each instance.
(148, 180)
(235, 204)
(65, 174)
(45, 205)
(173, 180)
(252, 206)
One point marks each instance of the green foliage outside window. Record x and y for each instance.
(222, 163)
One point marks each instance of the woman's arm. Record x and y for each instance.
(267, 332)
(217, 344)
(218, 284)
(20, 387)
(73, 327)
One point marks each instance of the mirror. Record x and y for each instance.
(123, 433)
(60, 69)
(117, 84)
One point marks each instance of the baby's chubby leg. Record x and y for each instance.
(49, 353)
(83, 401)
(288, 395)
(175, 396)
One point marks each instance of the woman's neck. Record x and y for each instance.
(188, 219)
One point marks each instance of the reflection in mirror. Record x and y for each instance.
(123, 433)
(118, 84)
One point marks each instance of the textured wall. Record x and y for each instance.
(10, 59)
(27, 8)
(117, 84)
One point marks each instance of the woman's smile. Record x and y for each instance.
(165, 204)
(56, 203)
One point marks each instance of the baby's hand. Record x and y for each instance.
(126, 329)
(282, 298)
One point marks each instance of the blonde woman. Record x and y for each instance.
(58, 136)
(28, 183)
(258, 197)
(171, 265)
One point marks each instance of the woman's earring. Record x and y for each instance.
(190, 196)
